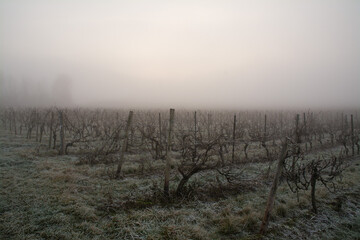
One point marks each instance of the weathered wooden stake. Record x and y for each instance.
(297, 129)
(160, 130)
(42, 129)
(124, 144)
(195, 136)
(37, 126)
(15, 123)
(168, 148)
(305, 131)
(281, 123)
(233, 142)
(10, 121)
(51, 128)
(346, 125)
(62, 133)
(270, 202)
(208, 126)
(352, 135)
(265, 121)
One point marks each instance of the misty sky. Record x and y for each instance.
(233, 54)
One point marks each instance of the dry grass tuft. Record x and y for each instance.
(229, 224)
(281, 210)
(62, 177)
(250, 222)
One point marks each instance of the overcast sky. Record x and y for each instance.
(232, 54)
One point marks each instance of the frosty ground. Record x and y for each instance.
(46, 196)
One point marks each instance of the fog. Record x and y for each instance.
(189, 54)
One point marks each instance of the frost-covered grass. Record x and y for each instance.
(45, 196)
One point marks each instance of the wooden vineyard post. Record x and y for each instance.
(296, 147)
(4, 121)
(352, 135)
(42, 129)
(124, 145)
(270, 202)
(168, 148)
(10, 121)
(281, 123)
(62, 133)
(310, 126)
(195, 137)
(346, 124)
(14, 117)
(305, 131)
(233, 140)
(51, 128)
(37, 126)
(160, 144)
(297, 131)
(208, 126)
(265, 122)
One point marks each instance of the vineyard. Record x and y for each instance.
(178, 174)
